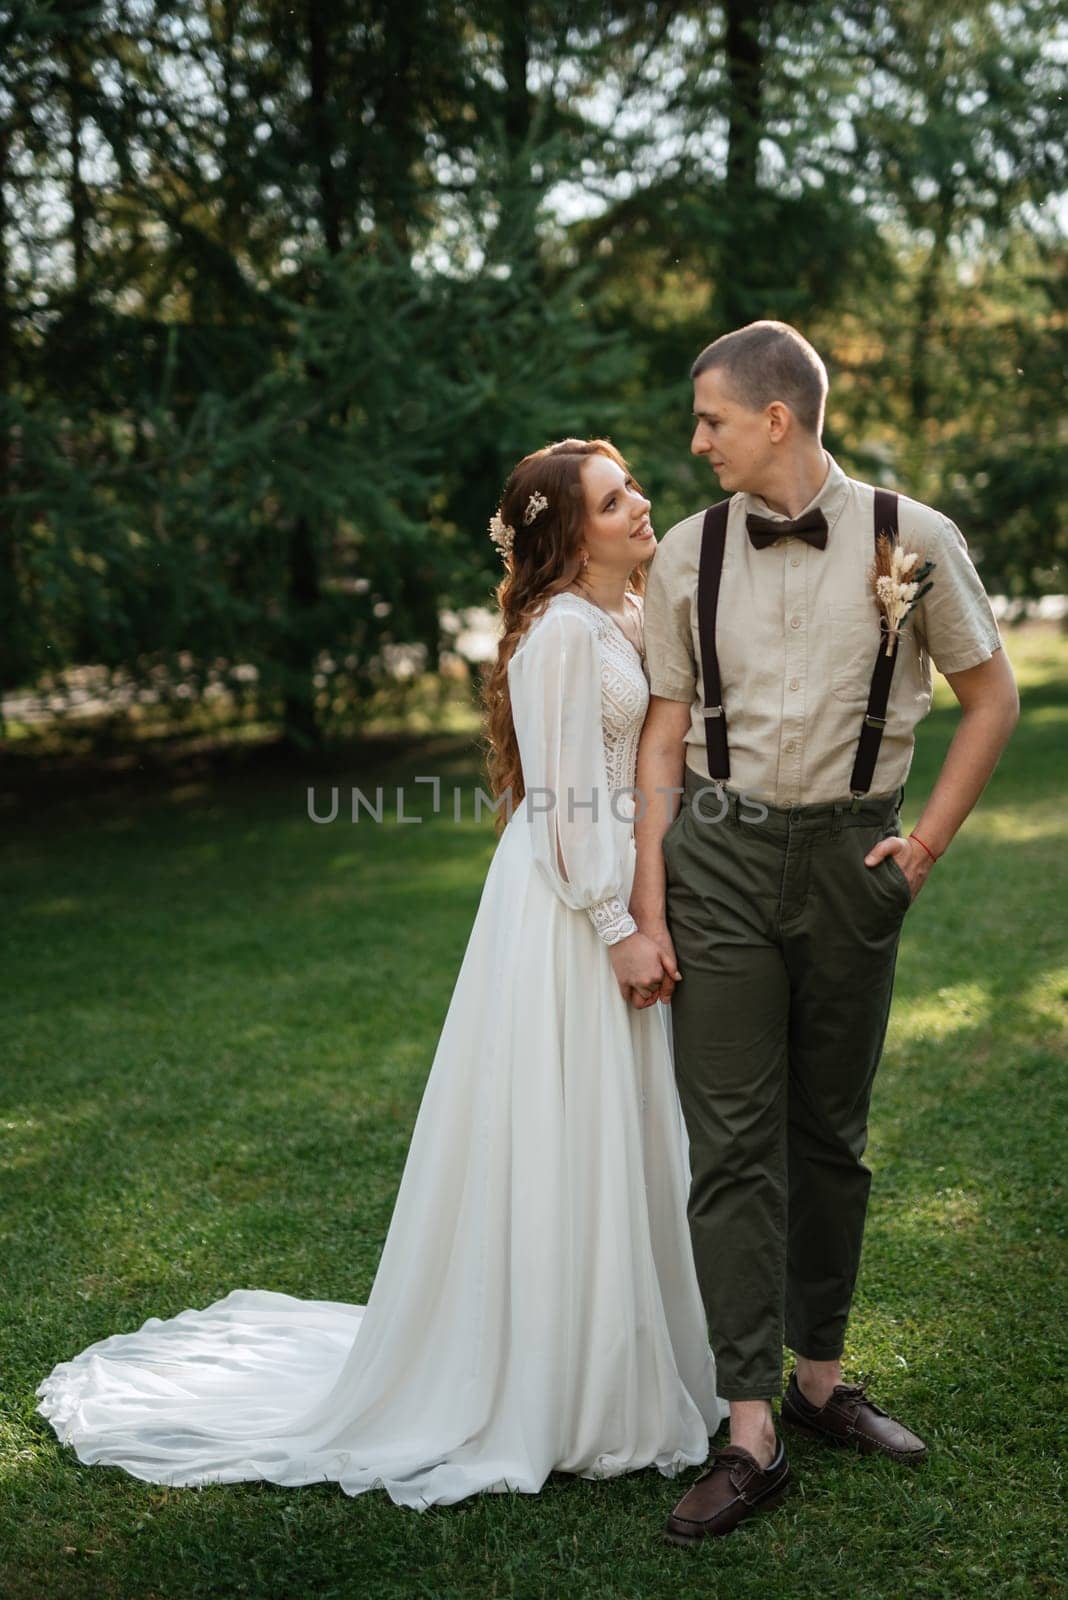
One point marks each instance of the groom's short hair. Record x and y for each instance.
(768, 361)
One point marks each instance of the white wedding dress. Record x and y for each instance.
(536, 1306)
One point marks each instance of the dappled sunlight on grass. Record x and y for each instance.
(940, 1209)
(33, 1131)
(1047, 997)
(1008, 826)
(1042, 717)
(434, 874)
(942, 1014)
(57, 906)
(1037, 653)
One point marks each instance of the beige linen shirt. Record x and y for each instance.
(796, 634)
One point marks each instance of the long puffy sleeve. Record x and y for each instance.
(554, 681)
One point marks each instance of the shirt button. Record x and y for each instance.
(795, 683)
(790, 746)
(796, 562)
(795, 622)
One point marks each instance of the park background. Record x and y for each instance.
(285, 290)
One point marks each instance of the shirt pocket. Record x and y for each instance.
(855, 639)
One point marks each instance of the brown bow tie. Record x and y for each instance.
(810, 526)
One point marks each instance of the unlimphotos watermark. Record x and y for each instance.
(625, 805)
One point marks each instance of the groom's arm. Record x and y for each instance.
(990, 706)
(661, 754)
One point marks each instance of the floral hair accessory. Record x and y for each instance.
(899, 585)
(535, 506)
(502, 533)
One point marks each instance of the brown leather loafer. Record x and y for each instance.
(734, 1487)
(851, 1418)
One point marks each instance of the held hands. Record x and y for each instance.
(912, 858)
(645, 967)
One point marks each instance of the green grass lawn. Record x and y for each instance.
(217, 1019)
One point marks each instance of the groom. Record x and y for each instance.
(782, 717)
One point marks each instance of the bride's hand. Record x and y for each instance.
(657, 933)
(639, 969)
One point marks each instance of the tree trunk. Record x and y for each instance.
(304, 586)
(516, 237)
(321, 121)
(745, 83)
(397, 199)
(745, 111)
(303, 596)
(9, 608)
(926, 312)
(230, 219)
(78, 194)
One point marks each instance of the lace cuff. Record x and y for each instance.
(612, 920)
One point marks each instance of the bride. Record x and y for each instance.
(536, 1307)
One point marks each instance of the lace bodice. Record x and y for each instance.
(617, 714)
(624, 691)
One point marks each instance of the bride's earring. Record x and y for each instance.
(585, 559)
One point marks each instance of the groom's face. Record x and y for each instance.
(735, 441)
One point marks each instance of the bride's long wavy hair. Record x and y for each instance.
(545, 558)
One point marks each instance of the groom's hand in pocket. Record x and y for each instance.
(913, 861)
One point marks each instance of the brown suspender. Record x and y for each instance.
(871, 729)
(710, 569)
(713, 539)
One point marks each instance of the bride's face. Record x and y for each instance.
(618, 531)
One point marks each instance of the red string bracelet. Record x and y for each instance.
(922, 846)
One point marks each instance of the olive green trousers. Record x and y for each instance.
(787, 945)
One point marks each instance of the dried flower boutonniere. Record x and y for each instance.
(899, 584)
